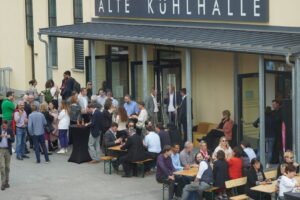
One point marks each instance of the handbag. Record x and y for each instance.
(49, 128)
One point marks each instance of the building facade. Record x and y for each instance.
(236, 54)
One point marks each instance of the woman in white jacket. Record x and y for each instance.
(63, 127)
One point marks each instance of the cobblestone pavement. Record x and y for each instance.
(61, 180)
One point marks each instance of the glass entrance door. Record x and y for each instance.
(249, 107)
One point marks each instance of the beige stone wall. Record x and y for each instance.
(14, 51)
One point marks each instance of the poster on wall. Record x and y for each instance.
(221, 10)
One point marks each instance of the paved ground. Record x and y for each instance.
(61, 180)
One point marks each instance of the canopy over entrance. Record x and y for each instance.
(223, 37)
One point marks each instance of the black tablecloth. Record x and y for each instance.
(292, 195)
(80, 136)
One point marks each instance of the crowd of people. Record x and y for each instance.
(134, 126)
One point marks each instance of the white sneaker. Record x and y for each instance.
(61, 151)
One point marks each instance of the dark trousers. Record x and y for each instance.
(149, 165)
(184, 126)
(170, 183)
(39, 140)
(212, 139)
(172, 117)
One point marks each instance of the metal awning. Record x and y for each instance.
(229, 37)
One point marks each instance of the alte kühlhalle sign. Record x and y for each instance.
(223, 10)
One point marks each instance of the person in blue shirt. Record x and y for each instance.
(130, 106)
(175, 158)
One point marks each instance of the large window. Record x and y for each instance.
(78, 44)
(29, 21)
(52, 40)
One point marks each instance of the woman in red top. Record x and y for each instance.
(235, 164)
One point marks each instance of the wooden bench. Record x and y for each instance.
(164, 187)
(233, 184)
(107, 160)
(141, 165)
(211, 191)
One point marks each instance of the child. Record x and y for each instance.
(287, 182)
(220, 173)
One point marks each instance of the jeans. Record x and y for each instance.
(63, 138)
(195, 187)
(20, 141)
(270, 145)
(94, 147)
(39, 140)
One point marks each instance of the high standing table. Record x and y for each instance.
(80, 135)
(292, 195)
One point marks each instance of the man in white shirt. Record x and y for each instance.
(152, 143)
(172, 100)
(141, 118)
(101, 98)
(203, 181)
(83, 100)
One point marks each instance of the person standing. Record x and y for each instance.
(21, 120)
(36, 124)
(172, 100)
(101, 98)
(63, 127)
(151, 106)
(6, 139)
(130, 106)
(67, 86)
(95, 129)
(276, 118)
(115, 102)
(182, 114)
(83, 101)
(33, 91)
(89, 88)
(8, 107)
(141, 118)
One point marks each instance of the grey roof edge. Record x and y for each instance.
(206, 25)
(229, 47)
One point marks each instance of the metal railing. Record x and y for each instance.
(5, 80)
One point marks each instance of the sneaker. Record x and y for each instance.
(24, 156)
(61, 151)
(66, 150)
(19, 158)
(47, 161)
(225, 196)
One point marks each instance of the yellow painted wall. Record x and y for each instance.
(13, 44)
(212, 85)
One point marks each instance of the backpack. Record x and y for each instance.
(76, 86)
(48, 96)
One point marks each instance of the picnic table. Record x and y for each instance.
(188, 172)
(116, 148)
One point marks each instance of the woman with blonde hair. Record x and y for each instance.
(63, 126)
(288, 158)
(223, 146)
(48, 128)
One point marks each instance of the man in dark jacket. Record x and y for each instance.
(135, 152)
(67, 85)
(95, 129)
(163, 135)
(6, 139)
(110, 138)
